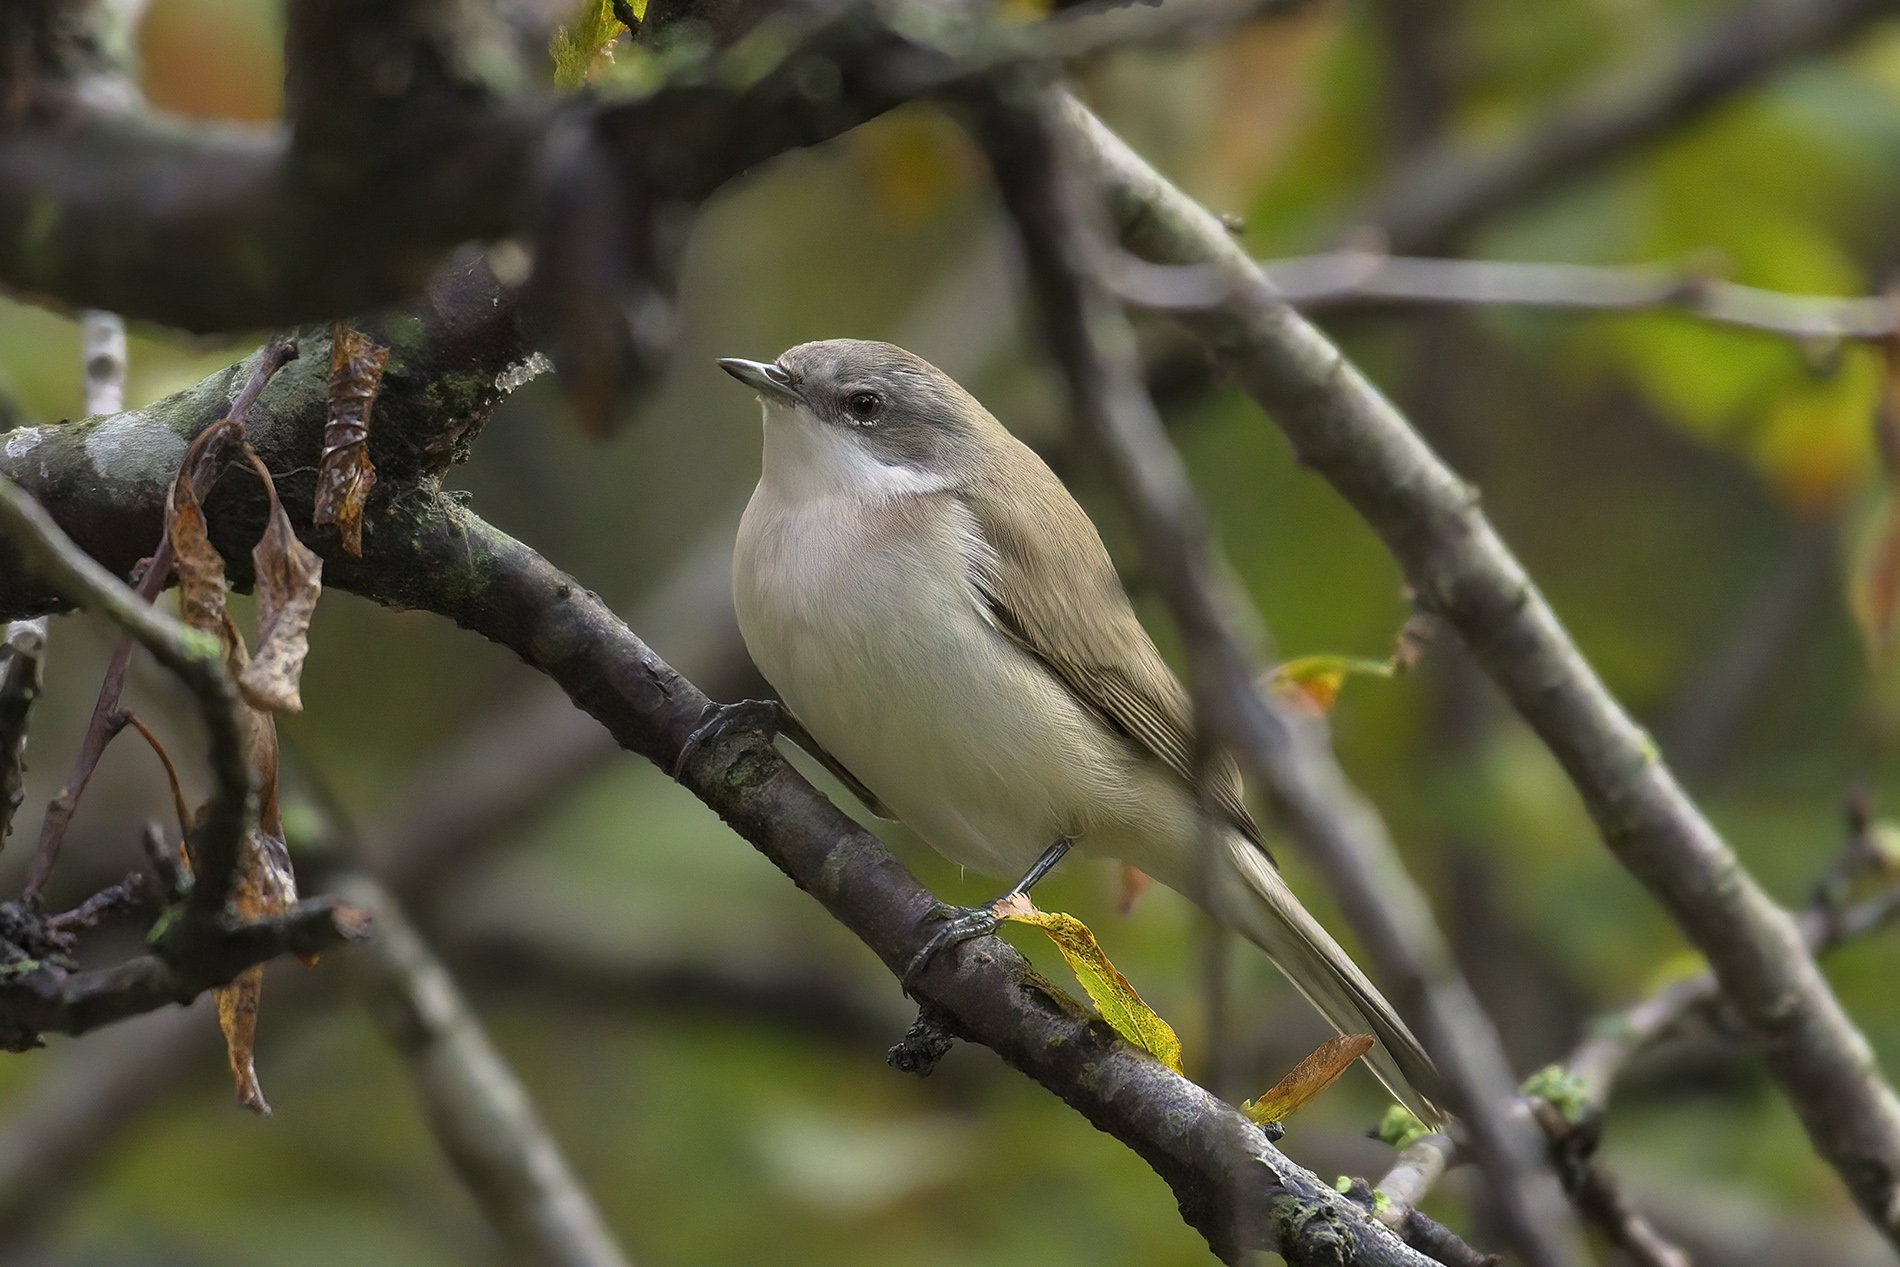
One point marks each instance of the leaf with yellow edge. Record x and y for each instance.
(583, 45)
(1312, 682)
(1307, 1079)
(1114, 998)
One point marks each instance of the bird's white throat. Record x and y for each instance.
(808, 459)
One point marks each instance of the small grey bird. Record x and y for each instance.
(941, 618)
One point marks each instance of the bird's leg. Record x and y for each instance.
(961, 923)
(770, 717)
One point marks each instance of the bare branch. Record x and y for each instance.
(479, 1111)
(1440, 195)
(196, 955)
(1350, 277)
(102, 349)
(1459, 568)
(1094, 349)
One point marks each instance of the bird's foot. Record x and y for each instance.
(960, 924)
(763, 717)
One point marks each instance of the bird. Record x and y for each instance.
(946, 632)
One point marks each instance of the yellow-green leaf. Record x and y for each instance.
(1114, 998)
(584, 44)
(1308, 1078)
(1401, 1128)
(1313, 681)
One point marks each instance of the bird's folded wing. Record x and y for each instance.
(1050, 586)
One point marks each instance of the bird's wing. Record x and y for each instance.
(1076, 618)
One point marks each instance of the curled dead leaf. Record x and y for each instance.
(199, 566)
(345, 474)
(1308, 1078)
(237, 1017)
(289, 582)
(265, 883)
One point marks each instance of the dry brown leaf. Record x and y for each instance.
(237, 1017)
(345, 474)
(199, 566)
(1308, 1078)
(264, 885)
(289, 582)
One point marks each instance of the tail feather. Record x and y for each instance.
(1257, 903)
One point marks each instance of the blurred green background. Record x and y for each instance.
(1693, 500)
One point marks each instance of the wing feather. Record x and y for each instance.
(1075, 617)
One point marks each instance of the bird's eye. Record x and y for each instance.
(862, 405)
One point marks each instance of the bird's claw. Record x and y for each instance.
(763, 716)
(961, 924)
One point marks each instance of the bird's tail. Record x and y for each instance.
(1253, 899)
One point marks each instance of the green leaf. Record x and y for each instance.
(1401, 1128)
(583, 45)
(1563, 1090)
(1114, 998)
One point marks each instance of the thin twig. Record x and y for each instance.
(130, 718)
(1345, 278)
(102, 349)
(477, 1108)
(100, 729)
(1598, 1197)
(1461, 570)
(115, 900)
(1094, 348)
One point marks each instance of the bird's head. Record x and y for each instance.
(849, 415)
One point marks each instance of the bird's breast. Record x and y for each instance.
(862, 616)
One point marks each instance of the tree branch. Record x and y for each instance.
(102, 352)
(1348, 278)
(1342, 427)
(414, 127)
(477, 1108)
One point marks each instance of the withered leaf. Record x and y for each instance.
(289, 582)
(345, 474)
(264, 885)
(199, 566)
(237, 1017)
(1308, 1078)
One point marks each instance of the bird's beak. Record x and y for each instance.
(767, 379)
